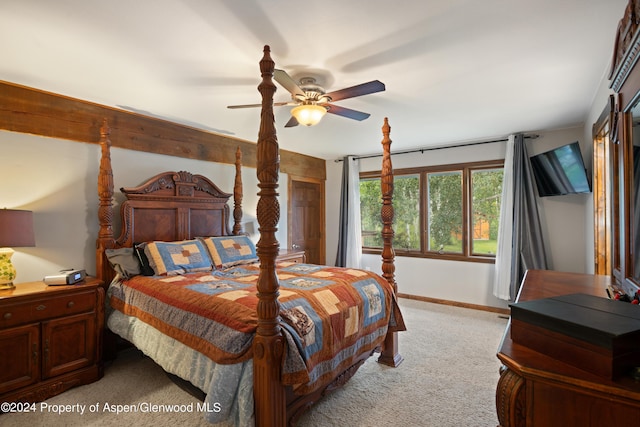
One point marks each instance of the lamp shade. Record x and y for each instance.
(308, 114)
(16, 228)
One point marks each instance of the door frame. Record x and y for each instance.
(323, 224)
(603, 199)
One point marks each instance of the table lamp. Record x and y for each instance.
(16, 230)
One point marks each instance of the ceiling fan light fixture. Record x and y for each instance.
(309, 114)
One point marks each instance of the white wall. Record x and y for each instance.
(563, 223)
(57, 180)
(563, 217)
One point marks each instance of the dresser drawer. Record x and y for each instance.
(291, 256)
(16, 314)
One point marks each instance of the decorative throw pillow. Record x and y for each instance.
(123, 261)
(171, 258)
(227, 251)
(145, 268)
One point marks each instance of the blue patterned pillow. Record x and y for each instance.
(227, 251)
(171, 258)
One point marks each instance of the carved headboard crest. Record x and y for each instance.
(626, 46)
(176, 184)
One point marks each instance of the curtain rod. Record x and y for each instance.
(422, 150)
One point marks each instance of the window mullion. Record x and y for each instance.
(466, 206)
(424, 213)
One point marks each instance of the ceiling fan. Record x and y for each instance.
(311, 102)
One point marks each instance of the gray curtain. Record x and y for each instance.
(343, 230)
(528, 245)
(349, 239)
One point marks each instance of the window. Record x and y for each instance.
(486, 190)
(448, 212)
(370, 222)
(444, 218)
(406, 206)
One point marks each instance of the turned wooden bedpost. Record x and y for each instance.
(237, 195)
(389, 355)
(105, 238)
(268, 344)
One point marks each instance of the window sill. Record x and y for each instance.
(432, 255)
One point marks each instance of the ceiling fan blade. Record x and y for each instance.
(292, 122)
(275, 104)
(346, 112)
(358, 90)
(287, 82)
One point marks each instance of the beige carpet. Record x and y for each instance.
(448, 378)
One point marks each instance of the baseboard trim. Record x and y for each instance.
(503, 311)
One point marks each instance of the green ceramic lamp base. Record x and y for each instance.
(7, 270)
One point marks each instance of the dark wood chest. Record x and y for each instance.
(596, 334)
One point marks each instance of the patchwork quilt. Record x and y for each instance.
(330, 315)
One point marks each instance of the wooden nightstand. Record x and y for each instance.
(291, 256)
(50, 339)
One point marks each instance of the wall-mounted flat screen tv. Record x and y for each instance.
(560, 171)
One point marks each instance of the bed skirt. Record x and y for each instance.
(228, 388)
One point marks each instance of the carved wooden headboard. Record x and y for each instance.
(170, 206)
(173, 206)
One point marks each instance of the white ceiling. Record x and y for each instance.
(455, 70)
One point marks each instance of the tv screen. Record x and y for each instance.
(560, 171)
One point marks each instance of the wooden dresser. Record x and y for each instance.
(291, 256)
(537, 390)
(50, 339)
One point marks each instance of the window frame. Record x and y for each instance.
(467, 216)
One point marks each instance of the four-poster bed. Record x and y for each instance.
(276, 350)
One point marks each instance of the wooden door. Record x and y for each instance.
(306, 218)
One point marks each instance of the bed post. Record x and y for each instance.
(268, 344)
(389, 355)
(237, 195)
(105, 238)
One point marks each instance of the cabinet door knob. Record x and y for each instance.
(70, 304)
(7, 316)
(41, 307)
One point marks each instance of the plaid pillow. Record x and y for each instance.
(227, 251)
(171, 258)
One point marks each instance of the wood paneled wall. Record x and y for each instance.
(33, 111)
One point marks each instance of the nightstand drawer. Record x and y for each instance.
(11, 315)
(63, 305)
